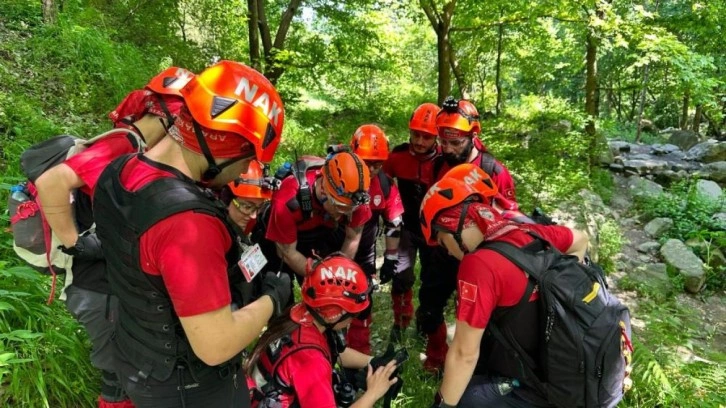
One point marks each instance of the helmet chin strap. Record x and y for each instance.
(457, 235)
(213, 169)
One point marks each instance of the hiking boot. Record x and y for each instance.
(396, 334)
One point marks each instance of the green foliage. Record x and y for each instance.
(40, 345)
(610, 242)
(540, 139)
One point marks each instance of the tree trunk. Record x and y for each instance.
(498, 69)
(642, 103)
(458, 73)
(254, 37)
(684, 109)
(590, 96)
(697, 118)
(441, 22)
(50, 12)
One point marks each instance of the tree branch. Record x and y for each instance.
(285, 23)
(512, 21)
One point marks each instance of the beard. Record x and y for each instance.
(453, 159)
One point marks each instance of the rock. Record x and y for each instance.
(684, 139)
(644, 187)
(617, 168)
(708, 152)
(647, 125)
(658, 226)
(709, 189)
(648, 247)
(716, 258)
(653, 275)
(645, 166)
(720, 218)
(659, 149)
(677, 255)
(715, 171)
(618, 146)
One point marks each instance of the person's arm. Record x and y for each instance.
(351, 358)
(219, 335)
(292, 257)
(580, 241)
(460, 362)
(55, 187)
(352, 240)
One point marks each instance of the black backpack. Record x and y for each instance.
(585, 347)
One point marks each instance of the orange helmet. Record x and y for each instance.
(476, 177)
(253, 183)
(346, 179)
(423, 118)
(236, 106)
(457, 118)
(446, 193)
(170, 81)
(370, 143)
(334, 288)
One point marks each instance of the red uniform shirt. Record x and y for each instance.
(390, 208)
(285, 223)
(487, 279)
(187, 250)
(502, 178)
(310, 375)
(90, 163)
(414, 175)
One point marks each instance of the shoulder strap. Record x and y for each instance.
(532, 262)
(385, 184)
(438, 164)
(488, 163)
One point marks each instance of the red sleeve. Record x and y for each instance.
(188, 251)
(360, 216)
(281, 227)
(478, 292)
(394, 205)
(312, 378)
(560, 237)
(90, 163)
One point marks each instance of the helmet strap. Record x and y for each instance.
(169, 117)
(460, 227)
(213, 170)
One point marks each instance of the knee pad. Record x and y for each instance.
(427, 321)
(403, 281)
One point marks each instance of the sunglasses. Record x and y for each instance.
(246, 207)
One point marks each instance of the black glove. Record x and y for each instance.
(399, 355)
(87, 247)
(388, 269)
(279, 289)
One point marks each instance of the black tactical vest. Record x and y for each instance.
(148, 332)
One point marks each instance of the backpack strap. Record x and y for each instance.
(488, 163)
(385, 182)
(534, 263)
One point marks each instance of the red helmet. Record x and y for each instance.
(253, 183)
(457, 118)
(346, 179)
(476, 177)
(444, 194)
(423, 118)
(370, 143)
(334, 288)
(163, 88)
(238, 109)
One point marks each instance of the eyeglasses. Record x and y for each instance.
(374, 164)
(454, 142)
(341, 207)
(246, 207)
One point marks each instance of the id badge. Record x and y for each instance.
(252, 261)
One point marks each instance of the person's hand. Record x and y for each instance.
(390, 262)
(87, 247)
(379, 382)
(279, 290)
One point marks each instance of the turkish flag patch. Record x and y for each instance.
(467, 291)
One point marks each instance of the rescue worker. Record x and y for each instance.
(170, 250)
(292, 363)
(411, 165)
(458, 129)
(455, 216)
(140, 120)
(370, 144)
(247, 195)
(322, 208)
